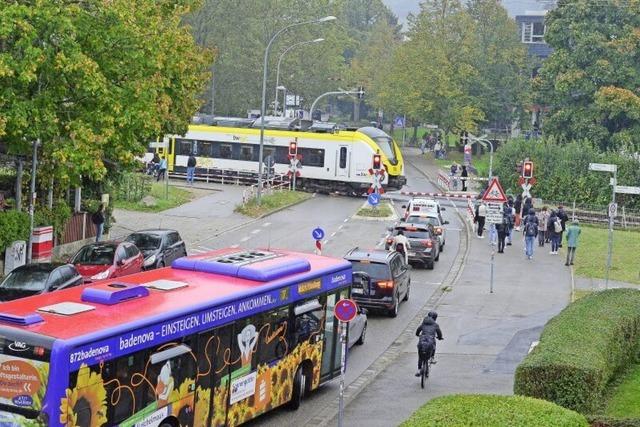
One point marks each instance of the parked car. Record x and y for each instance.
(381, 279)
(33, 279)
(425, 246)
(431, 218)
(417, 205)
(159, 247)
(358, 328)
(105, 260)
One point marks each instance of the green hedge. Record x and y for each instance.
(14, 226)
(598, 421)
(57, 217)
(582, 349)
(493, 411)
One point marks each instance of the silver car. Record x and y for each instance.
(358, 328)
(431, 218)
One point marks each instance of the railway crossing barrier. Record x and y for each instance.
(437, 195)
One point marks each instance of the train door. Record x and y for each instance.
(342, 161)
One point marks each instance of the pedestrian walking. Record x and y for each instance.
(191, 168)
(162, 169)
(543, 217)
(401, 245)
(555, 230)
(503, 227)
(563, 221)
(573, 232)
(512, 220)
(464, 175)
(530, 232)
(517, 205)
(481, 214)
(436, 149)
(423, 144)
(98, 220)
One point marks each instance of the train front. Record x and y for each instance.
(391, 156)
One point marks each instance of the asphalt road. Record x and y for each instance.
(291, 229)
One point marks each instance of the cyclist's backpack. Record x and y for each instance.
(425, 343)
(531, 229)
(557, 226)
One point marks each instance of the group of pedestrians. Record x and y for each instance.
(158, 167)
(464, 175)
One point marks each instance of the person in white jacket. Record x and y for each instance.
(401, 244)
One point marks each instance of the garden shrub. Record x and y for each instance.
(14, 225)
(494, 411)
(582, 349)
(57, 217)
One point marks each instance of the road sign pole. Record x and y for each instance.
(611, 219)
(343, 360)
(493, 262)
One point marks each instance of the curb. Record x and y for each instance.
(328, 414)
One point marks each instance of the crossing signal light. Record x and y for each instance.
(377, 162)
(293, 148)
(527, 170)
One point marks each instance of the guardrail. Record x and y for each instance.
(626, 219)
(230, 176)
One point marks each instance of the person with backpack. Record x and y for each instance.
(401, 245)
(162, 169)
(512, 219)
(503, 227)
(530, 232)
(98, 220)
(191, 168)
(427, 333)
(555, 229)
(564, 218)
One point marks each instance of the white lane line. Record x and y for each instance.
(206, 248)
(235, 246)
(245, 238)
(324, 242)
(340, 227)
(256, 231)
(453, 229)
(266, 224)
(346, 219)
(200, 251)
(333, 234)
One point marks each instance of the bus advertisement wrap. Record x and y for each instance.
(113, 347)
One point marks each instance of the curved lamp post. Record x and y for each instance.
(264, 92)
(280, 61)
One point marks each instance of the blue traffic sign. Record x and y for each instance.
(373, 199)
(318, 233)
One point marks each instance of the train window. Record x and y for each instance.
(269, 151)
(312, 157)
(246, 152)
(343, 157)
(205, 149)
(183, 147)
(225, 151)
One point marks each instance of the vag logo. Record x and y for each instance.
(18, 346)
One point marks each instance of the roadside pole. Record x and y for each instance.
(493, 199)
(345, 311)
(606, 167)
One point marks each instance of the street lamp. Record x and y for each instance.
(359, 92)
(264, 92)
(483, 140)
(280, 61)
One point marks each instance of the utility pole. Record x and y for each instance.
(32, 202)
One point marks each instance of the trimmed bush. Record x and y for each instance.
(14, 226)
(493, 411)
(582, 349)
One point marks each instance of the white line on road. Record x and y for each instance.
(324, 242)
(256, 231)
(333, 234)
(235, 246)
(245, 238)
(266, 224)
(200, 251)
(206, 248)
(346, 219)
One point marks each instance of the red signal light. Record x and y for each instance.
(293, 148)
(377, 162)
(527, 170)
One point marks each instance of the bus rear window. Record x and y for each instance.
(24, 371)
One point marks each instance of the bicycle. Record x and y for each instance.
(424, 371)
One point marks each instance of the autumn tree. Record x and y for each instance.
(590, 82)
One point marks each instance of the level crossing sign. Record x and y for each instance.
(494, 193)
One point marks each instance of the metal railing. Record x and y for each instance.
(230, 176)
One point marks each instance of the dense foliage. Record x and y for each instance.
(95, 80)
(562, 171)
(582, 349)
(57, 216)
(590, 82)
(14, 226)
(495, 411)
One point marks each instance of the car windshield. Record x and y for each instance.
(424, 220)
(414, 234)
(25, 280)
(95, 255)
(386, 145)
(375, 270)
(144, 241)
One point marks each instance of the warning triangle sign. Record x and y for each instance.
(494, 192)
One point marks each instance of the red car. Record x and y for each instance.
(105, 260)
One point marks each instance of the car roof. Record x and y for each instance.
(417, 226)
(154, 231)
(41, 267)
(358, 254)
(424, 214)
(103, 244)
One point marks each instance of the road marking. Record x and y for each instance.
(266, 224)
(533, 345)
(333, 234)
(206, 248)
(245, 238)
(235, 246)
(256, 231)
(200, 251)
(346, 219)
(324, 242)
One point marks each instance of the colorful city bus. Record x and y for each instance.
(215, 339)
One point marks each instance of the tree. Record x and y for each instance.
(95, 80)
(590, 82)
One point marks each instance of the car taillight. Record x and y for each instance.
(438, 230)
(427, 243)
(386, 284)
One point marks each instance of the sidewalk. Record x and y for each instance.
(486, 334)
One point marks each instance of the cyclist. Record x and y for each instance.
(427, 332)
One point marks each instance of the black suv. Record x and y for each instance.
(159, 247)
(381, 279)
(425, 247)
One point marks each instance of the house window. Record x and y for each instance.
(533, 32)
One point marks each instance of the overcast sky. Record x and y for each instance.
(515, 7)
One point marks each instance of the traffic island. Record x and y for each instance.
(272, 203)
(383, 211)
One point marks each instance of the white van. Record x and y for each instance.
(418, 205)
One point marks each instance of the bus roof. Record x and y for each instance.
(205, 280)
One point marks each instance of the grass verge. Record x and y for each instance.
(177, 197)
(383, 210)
(623, 402)
(481, 163)
(272, 203)
(591, 256)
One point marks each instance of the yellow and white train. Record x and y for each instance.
(332, 160)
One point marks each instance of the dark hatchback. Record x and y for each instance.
(33, 279)
(159, 247)
(425, 246)
(381, 279)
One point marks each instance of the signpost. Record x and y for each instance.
(494, 199)
(602, 167)
(606, 167)
(345, 311)
(373, 199)
(624, 189)
(318, 235)
(613, 210)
